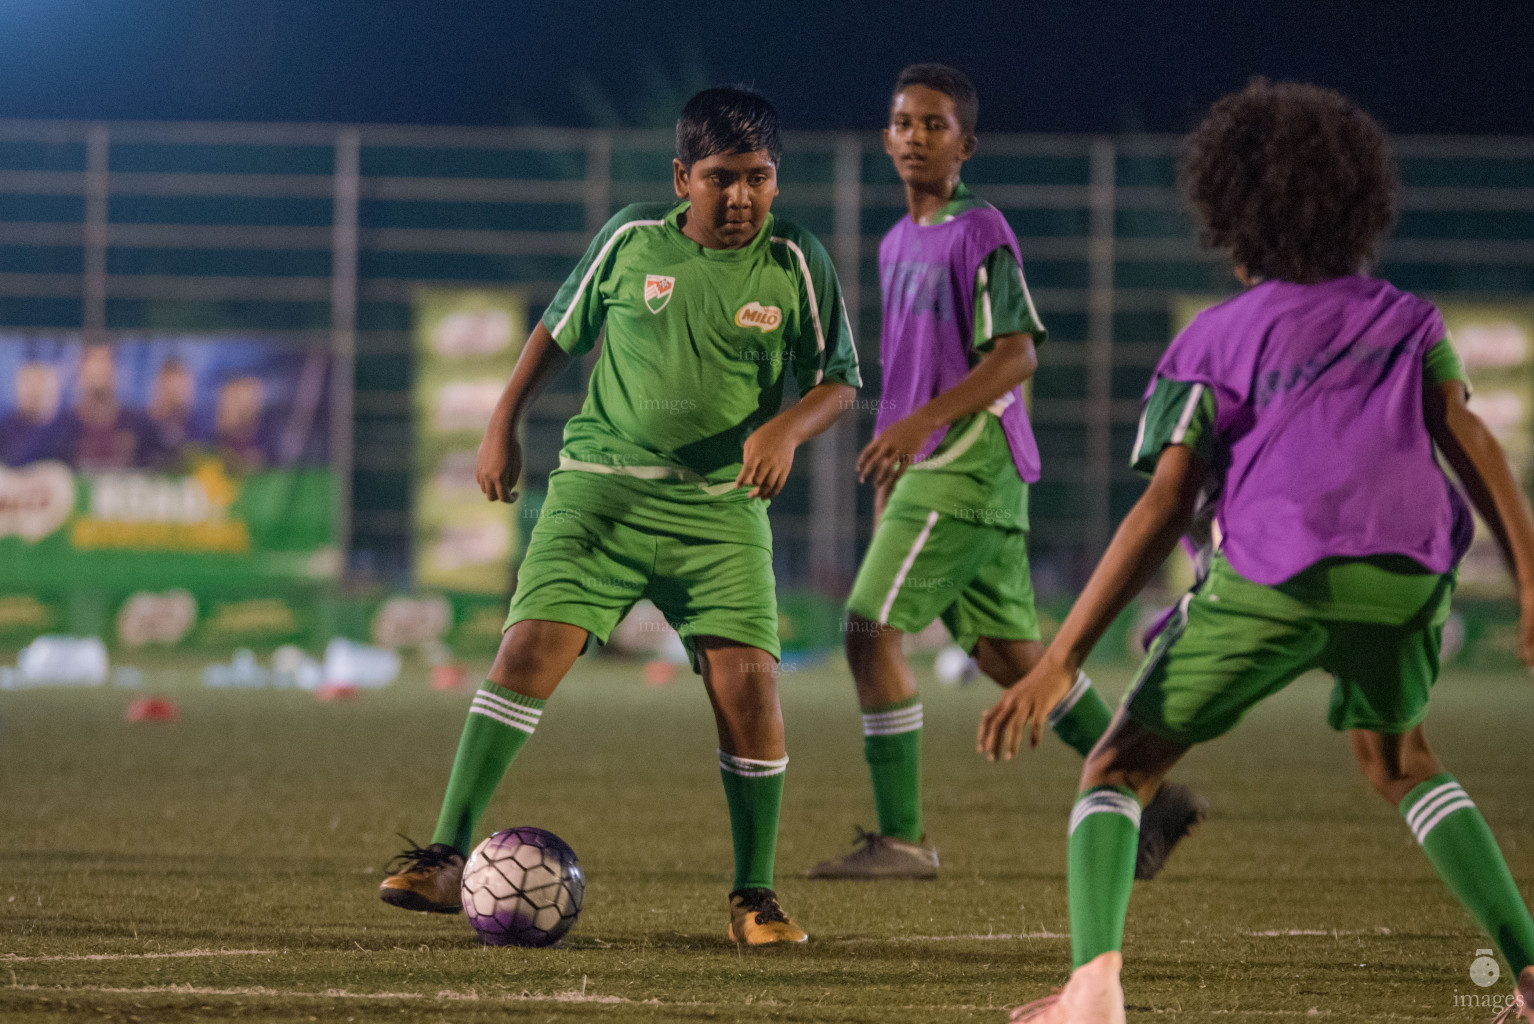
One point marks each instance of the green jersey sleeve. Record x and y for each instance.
(576, 316)
(823, 349)
(1442, 364)
(1177, 412)
(1002, 302)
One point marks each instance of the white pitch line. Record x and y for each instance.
(571, 996)
(446, 995)
(1334, 933)
(175, 955)
(987, 937)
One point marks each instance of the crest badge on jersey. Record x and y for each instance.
(764, 318)
(657, 291)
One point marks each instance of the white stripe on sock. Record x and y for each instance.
(1459, 804)
(507, 704)
(1060, 710)
(892, 723)
(480, 709)
(904, 721)
(752, 769)
(504, 707)
(1104, 802)
(1431, 801)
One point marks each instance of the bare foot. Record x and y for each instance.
(1092, 996)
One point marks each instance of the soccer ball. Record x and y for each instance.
(522, 887)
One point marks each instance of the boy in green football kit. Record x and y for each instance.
(663, 479)
(951, 460)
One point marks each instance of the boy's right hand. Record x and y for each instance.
(498, 466)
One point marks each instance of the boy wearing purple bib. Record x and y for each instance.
(1310, 405)
(951, 460)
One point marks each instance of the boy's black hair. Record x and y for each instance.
(1293, 181)
(727, 119)
(951, 82)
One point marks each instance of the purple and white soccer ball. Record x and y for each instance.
(522, 887)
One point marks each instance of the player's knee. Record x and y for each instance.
(990, 661)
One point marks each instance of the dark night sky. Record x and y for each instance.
(1466, 67)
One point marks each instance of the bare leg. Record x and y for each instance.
(534, 656)
(1394, 764)
(742, 684)
(1007, 661)
(1128, 755)
(878, 663)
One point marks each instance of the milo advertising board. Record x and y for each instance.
(151, 473)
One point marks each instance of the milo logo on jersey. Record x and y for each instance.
(763, 318)
(658, 289)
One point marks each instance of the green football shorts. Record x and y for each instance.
(924, 565)
(1232, 643)
(589, 570)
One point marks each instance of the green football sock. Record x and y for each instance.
(1460, 845)
(754, 791)
(499, 722)
(892, 748)
(1081, 717)
(1104, 831)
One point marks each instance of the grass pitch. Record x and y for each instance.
(224, 866)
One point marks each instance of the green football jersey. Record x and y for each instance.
(695, 347)
(696, 344)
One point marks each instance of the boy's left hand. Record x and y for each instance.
(1024, 704)
(889, 455)
(766, 459)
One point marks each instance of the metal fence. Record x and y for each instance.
(319, 234)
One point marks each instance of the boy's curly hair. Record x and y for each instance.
(1293, 181)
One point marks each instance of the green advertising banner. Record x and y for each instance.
(186, 462)
(466, 343)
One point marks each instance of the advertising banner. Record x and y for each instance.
(162, 462)
(466, 343)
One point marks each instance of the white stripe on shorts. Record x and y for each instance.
(905, 567)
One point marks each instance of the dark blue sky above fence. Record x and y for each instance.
(1069, 65)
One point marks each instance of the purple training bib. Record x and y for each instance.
(1318, 398)
(927, 284)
